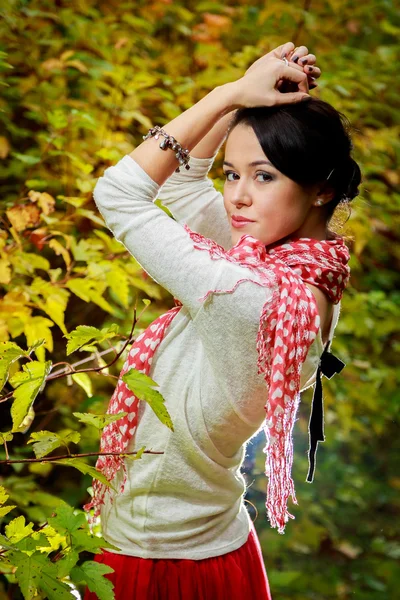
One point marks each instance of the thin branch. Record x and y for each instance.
(6, 450)
(70, 369)
(53, 458)
(59, 374)
(300, 25)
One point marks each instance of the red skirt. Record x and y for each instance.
(233, 576)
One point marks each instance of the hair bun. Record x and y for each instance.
(351, 177)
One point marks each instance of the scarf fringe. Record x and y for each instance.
(278, 467)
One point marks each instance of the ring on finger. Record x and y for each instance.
(285, 60)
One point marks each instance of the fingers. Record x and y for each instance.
(312, 71)
(297, 53)
(283, 50)
(308, 59)
(291, 98)
(301, 57)
(292, 74)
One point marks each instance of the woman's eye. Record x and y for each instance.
(266, 176)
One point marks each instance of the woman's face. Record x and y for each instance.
(277, 206)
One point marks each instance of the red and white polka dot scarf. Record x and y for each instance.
(289, 322)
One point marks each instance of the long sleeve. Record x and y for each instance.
(191, 197)
(125, 197)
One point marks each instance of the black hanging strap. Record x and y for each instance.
(328, 366)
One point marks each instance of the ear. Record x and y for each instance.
(323, 196)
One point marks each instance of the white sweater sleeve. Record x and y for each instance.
(191, 197)
(125, 197)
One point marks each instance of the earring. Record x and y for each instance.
(319, 202)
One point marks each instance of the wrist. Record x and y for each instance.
(230, 96)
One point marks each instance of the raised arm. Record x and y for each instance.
(124, 196)
(258, 87)
(192, 199)
(125, 193)
(191, 195)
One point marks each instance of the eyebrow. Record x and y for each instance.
(252, 164)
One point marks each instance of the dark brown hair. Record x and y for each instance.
(305, 142)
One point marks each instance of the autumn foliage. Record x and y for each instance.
(81, 83)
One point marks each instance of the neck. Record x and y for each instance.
(319, 233)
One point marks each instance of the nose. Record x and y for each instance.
(240, 196)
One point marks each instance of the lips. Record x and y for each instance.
(240, 219)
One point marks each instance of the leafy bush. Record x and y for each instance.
(81, 83)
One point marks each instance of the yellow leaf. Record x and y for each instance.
(84, 381)
(16, 530)
(39, 328)
(59, 249)
(5, 271)
(117, 280)
(4, 147)
(44, 200)
(67, 54)
(23, 216)
(78, 65)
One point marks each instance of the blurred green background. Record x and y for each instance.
(81, 83)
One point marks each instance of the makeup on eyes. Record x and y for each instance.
(268, 175)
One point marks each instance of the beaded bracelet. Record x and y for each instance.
(170, 142)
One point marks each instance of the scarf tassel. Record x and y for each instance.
(278, 470)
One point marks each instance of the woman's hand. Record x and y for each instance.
(301, 56)
(298, 55)
(259, 85)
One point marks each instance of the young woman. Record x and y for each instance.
(257, 277)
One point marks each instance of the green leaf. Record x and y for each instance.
(89, 214)
(143, 387)
(66, 520)
(6, 436)
(17, 529)
(83, 540)
(84, 334)
(5, 544)
(67, 436)
(68, 562)
(35, 346)
(45, 442)
(37, 572)
(84, 381)
(30, 544)
(92, 573)
(4, 510)
(98, 421)
(85, 469)
(136, 456)
(27, 158)
(3, 495)
(9, 353)
(57, 118)
(28, 384)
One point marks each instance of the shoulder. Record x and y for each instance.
(325, 310)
